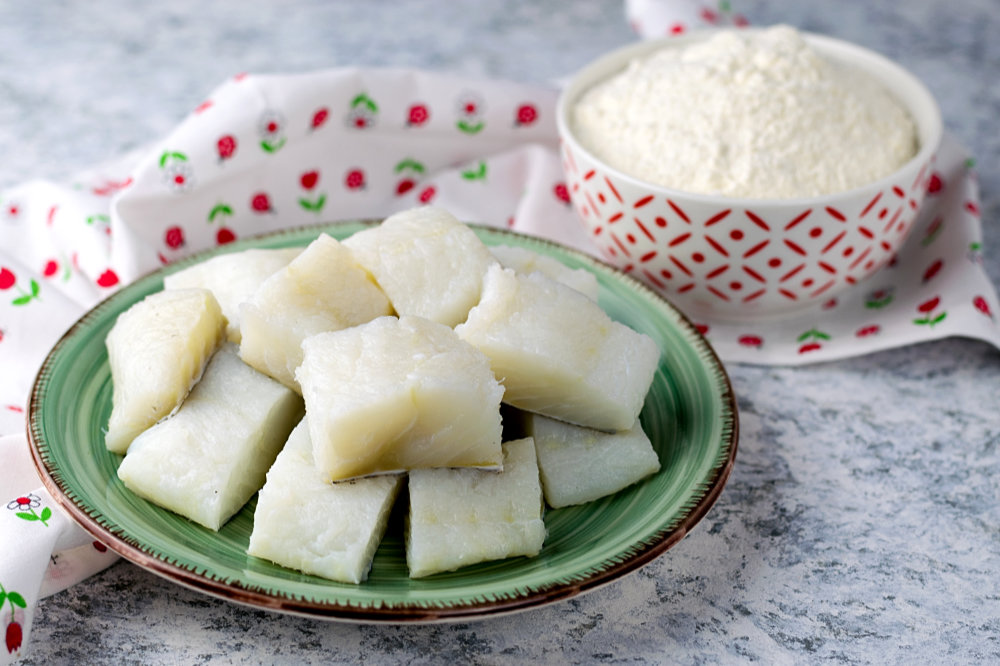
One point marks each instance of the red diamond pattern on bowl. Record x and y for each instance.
(728, 259)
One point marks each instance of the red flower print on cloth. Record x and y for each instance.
(25, 507)
(866, 331)
(933, 270)
(8, 281)
(879, 298)
(470, 108)
(52, 267)
(812, 340)
(13, 634)
(319, 118)
(525, 115)
(7, 278)
(427, 194)
(271, 129)
(226, 147)
(561, 192)
(221, 211)
(308, 180)
(224, 235)
(107, 189)
(174, 238)
(935, 183)
(928, 309)
(177, 172)
(411, 172)
(260, 202)
(363, 112)
(979, 302)
(354, 179)
(417, 115)
(932, 232)
(107, 279)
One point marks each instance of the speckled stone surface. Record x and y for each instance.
(862, 520)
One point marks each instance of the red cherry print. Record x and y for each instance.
(260, 203)
(677, 29)
(980, 304)
(526, 114)
(320, 117)
(405, 186)
(740, 21)
(309, 179)
(928, 306)
(7, 278)
(226, 146)
(933, 270)
(224, 235)
(561, 192)
(935, 184)
(174, 237)
(354, 179)
(204, 106)
(702, 328)
(865, 331)
(99, 547)
(427, 194)
(1, 335)
(417, 115)
(51, 268)
(970, 206)
(810, 346)
(830, 304)
(108, 278)
(708, 16)
(750, 340)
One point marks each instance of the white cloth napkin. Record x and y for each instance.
(268, 152)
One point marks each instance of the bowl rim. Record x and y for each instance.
(839, 50)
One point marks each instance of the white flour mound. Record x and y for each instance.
(746, 114)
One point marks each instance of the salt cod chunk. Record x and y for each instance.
(157, 349)
(580, 464)
(325, 529)
(428, 263)
(557, 353)
(232, 279)
(398, 394)
(523, 260)
(209, 458)
(323, 289)
(460, 517)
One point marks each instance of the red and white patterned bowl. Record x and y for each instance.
(741, 259)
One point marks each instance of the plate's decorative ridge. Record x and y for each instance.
(690, 415)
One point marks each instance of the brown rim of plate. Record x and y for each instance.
(236, 592)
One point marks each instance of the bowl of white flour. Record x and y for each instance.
(747, 173)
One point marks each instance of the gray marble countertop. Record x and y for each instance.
(861, 523)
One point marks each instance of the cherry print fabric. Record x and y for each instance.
(268, 152)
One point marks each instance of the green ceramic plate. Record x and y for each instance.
(689, 414)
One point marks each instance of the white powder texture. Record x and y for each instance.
(746, 114)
